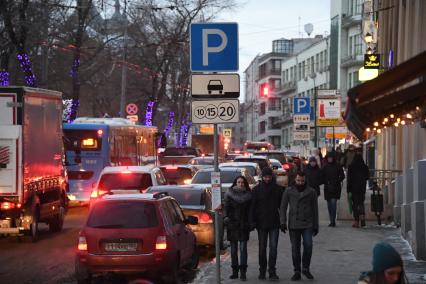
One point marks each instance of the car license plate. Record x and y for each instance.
(121, 246)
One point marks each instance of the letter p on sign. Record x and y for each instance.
(214, 47)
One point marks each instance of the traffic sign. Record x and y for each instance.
(215, 111)
(298, 127)
(215, 86)
(303, 136)
(214, 47)
(227, 132)
(132, 109)
(216, 191)
(301, 118)
(328, 112)
(133, 118)
(302, 105)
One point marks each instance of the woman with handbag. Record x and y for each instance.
(236, 220)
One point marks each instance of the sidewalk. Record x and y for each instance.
(339, 255)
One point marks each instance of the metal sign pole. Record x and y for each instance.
(216, 212)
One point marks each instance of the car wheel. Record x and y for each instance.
(172, 277)
(195, 259)
(57, 223)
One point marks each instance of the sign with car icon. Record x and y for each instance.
(215, 86)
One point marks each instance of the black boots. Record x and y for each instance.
(234, 274)
(243, 275)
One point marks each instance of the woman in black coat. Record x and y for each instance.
(236, 219)
(358, 174)
(333, 177)
(314, 176)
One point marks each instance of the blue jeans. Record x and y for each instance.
(295, 238)
(263, 236)
(332, 209)
(243, 254)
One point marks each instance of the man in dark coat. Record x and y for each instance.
(358, 174)
(314, 177)
(302, 222)
(333, 177)
(264, 216)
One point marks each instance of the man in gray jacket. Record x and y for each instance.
(302, 222)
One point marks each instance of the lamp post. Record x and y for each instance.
(313, 76)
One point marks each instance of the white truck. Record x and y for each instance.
(33, 181)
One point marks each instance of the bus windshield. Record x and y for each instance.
(85, 140)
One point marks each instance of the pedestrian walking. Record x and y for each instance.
(388, 267)
(333, 177)
(302, 201)
(236, 220)
(358, 174)
(313, 175)
(349, 155)
(264, 216)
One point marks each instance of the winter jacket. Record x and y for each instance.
(265, 205)
(314, 178)
(333, 177)
(303, 212)
(236, 215)
(358, 174)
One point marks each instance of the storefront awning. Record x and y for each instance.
(396, 91)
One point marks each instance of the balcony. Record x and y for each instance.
(287, 87)
(350, 20)
(352, 60)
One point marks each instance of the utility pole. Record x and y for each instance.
(124, 66)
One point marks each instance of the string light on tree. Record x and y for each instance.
(25, 63)
(4, 78)
(148, 113)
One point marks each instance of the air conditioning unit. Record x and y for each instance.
(306, 78)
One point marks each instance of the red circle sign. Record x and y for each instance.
(132, 109)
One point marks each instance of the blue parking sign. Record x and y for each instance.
(214, 47)
(302, 105)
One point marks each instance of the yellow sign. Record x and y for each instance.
(227, 132)
(206, 129)
(339, 132)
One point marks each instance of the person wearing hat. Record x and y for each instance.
(333, 177)
(314, 176)
(264, 216)
(388, 267)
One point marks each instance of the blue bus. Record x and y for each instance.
(94, 143)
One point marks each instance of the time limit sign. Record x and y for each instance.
(215, 111)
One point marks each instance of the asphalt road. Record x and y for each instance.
(51, 258)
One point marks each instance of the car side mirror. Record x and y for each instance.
(191, 220)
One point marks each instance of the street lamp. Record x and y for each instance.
(313, 76)
(368, 38)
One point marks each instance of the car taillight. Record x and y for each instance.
(98, 193)
(205, 218)
(161, 243)
(82, 243)
(187, 181)
(286, 166)
(9, 205)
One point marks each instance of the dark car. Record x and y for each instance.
(178, 174)
(195, 200)
(263, 161)
(136, 233)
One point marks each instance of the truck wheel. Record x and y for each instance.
(33, 232)
(57, 223)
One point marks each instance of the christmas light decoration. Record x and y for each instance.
(148, 113)
(4, 78)
(73, 110)
(25, 63)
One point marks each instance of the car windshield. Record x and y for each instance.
(176, 175)
(179, 152)
(251, 170)
(205, 177)
(122, 214)
(277, 156)
(125, 181)
(263, 163)
(202, 161)
(184, 197)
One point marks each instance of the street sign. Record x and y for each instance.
(215, 111)
(133, 118)
(328, 112)
(301, 127)
(301, 105)
(325, 93)
(372, 61)
(216, 192)
(303, 136)
(301, 118)
(227, 132)
(132, 109)
(339, 132)
(214, 47)
(215, 86)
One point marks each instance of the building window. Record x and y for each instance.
(317, 68)
(262, 127)
(262, 108)
(349, 80)
(357, 45)
(299, 72)
(355, 78)
(350, 46)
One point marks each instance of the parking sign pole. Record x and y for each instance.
(216, 212)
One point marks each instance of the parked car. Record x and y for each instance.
(203, 162)
(195, 200)
(253, 168)
(272, 154)
(131, 179)
(263, 161)
(280, 172)
(178, 174)
(136, 233)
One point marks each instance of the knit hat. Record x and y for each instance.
(384, 257)
(312, 159)
(267, 171)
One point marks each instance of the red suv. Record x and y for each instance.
(136, 233)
